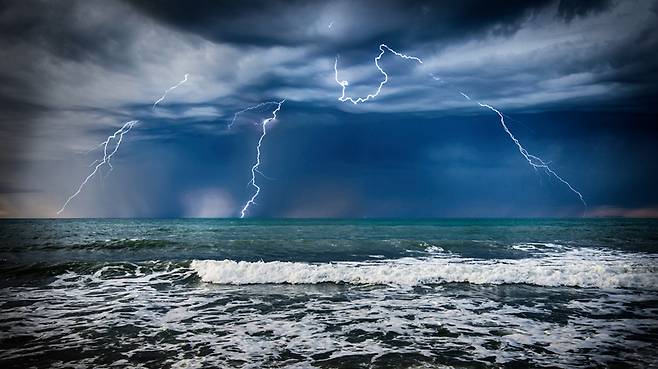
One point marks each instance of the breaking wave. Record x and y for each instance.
(576, 268)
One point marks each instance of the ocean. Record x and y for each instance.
(225, 293)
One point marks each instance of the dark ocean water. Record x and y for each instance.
(329, 293)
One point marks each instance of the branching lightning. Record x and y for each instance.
(254, 168)
(534, 161)
(235, 116)
(114, 139)
(112, 143)
(343, 83)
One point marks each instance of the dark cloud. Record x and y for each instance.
(68, 29)
(266, 23)
(581, 95)
(570, 9)
(411, 25)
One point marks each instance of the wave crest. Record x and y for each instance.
(575, 268)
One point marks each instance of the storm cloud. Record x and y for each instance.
(576, 78)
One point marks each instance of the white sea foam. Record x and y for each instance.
(142, 308)
(434, 249)
(533, 246)
(577, 268)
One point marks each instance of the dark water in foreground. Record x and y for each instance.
(329, 294)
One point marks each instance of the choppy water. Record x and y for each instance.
(328, 294)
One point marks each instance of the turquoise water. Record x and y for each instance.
(329, 293)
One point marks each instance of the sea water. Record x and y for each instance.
(472, 293)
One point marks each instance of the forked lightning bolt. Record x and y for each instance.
(114, 139)
(533, 160)
(254, 168)
(344, 84)
(117, 137)
(236, 115)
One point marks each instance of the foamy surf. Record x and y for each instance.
(63, 287)
(576, 268)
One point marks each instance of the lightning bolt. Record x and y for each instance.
(169, 90)
(254, 168)
(534, 161)
(235, 116)
(343, 83)
(116, 138)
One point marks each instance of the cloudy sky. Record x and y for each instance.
(577, 80)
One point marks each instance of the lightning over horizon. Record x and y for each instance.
(255, 168)
(190, 184)
(116, 137)
(534, 161)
